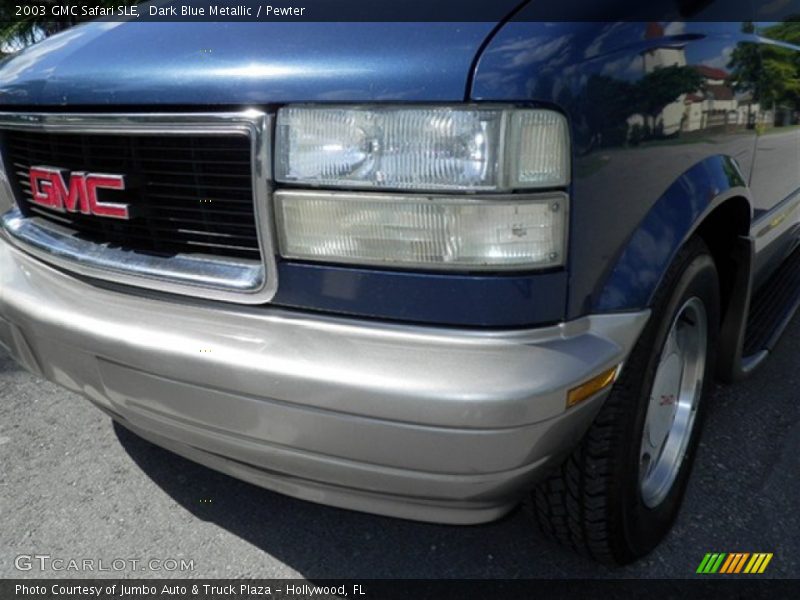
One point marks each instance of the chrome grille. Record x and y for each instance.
(197, 185)
(189, 194)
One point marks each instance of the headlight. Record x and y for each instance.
(427, 187)
(422, 148)
(423, 231)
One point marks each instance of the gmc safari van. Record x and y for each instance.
(427, 270)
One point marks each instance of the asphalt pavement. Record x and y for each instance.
(74, 486)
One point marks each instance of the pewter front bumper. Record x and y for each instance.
(418, 422)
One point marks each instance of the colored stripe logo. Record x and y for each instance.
(734, 562)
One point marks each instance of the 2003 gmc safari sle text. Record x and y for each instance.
(427, 270)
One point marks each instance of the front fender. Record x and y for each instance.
(675, 216)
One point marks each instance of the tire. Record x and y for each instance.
(607, 500)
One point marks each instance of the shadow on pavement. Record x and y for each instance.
(323, 542)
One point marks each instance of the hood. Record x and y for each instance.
(202, 63)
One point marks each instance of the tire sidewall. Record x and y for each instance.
(644, 526)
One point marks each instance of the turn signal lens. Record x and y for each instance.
(589, 388)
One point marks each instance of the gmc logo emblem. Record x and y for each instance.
(60, 190)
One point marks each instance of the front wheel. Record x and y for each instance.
(617, 495)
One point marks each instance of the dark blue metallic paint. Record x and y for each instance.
(205, 64)
(425, 298)
(669, 223)
(591, 71)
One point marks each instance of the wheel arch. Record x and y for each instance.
(710, 194)
(726, 233)
(711, 201)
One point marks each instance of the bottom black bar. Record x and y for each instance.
(733, 587)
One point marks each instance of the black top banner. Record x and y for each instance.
(401, 10)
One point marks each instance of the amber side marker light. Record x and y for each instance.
(589, 388)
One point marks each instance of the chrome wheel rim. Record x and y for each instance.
(674, 399)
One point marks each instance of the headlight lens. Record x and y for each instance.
(422, 148)
(432, 232)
